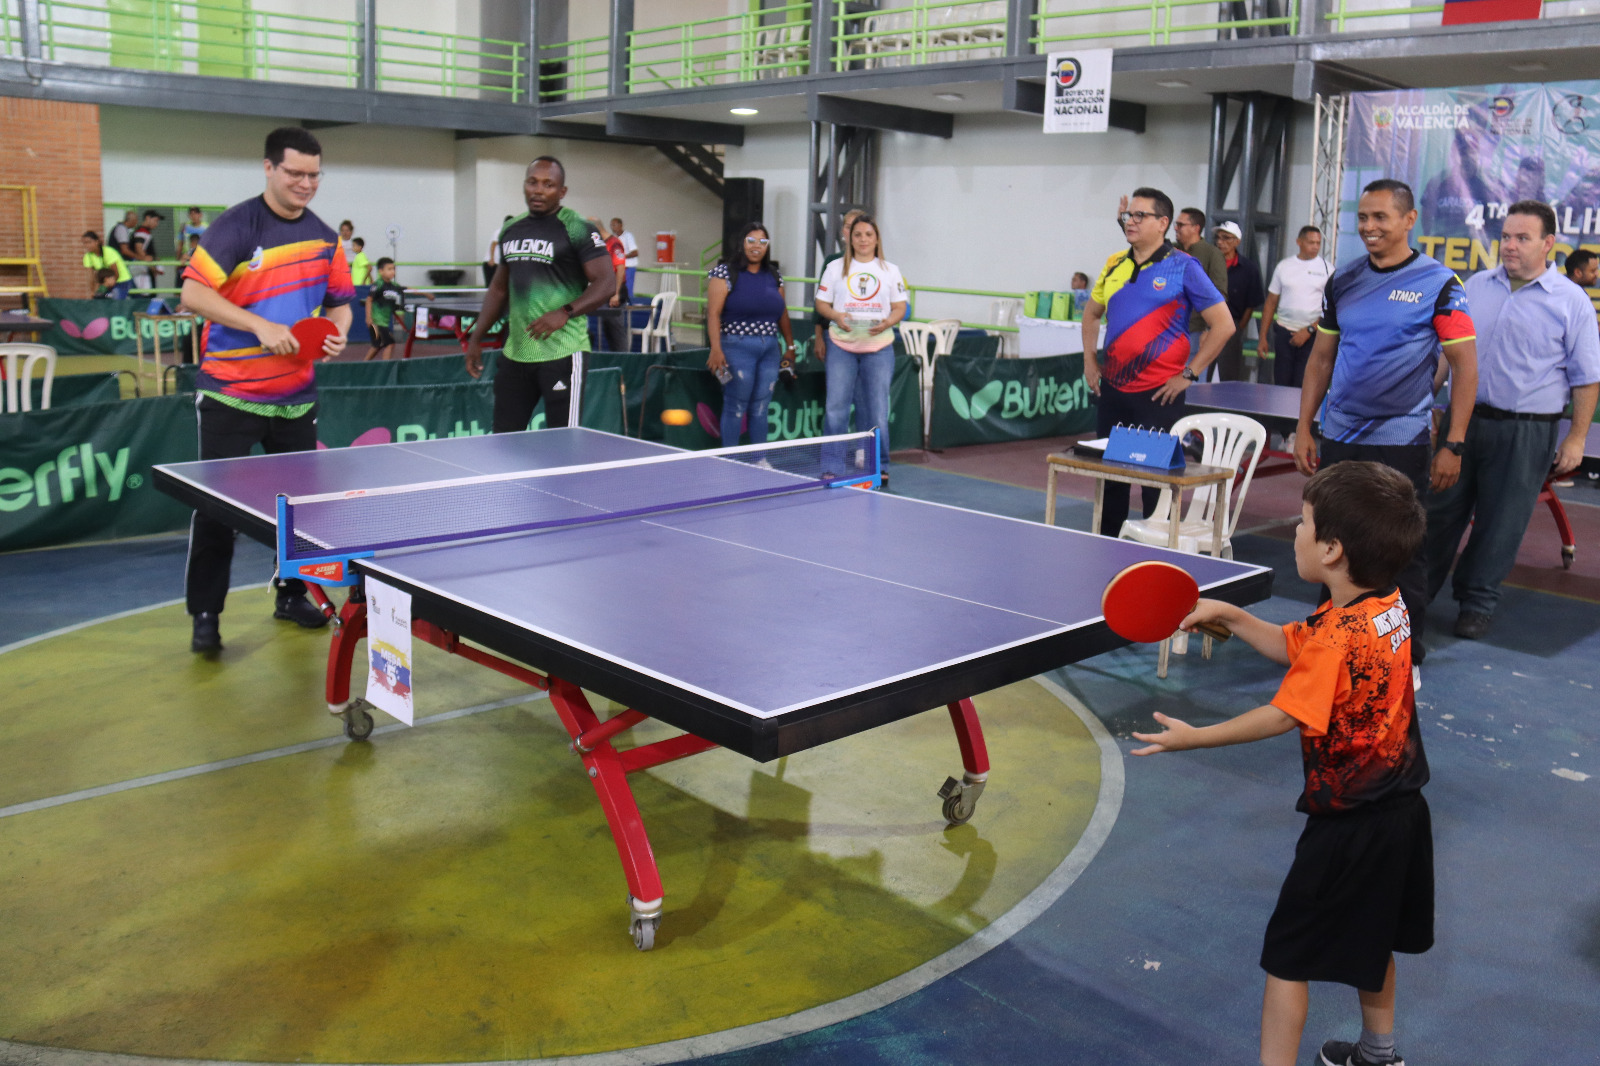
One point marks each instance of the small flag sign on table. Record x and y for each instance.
(389, 650)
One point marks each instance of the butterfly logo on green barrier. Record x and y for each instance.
(981, 401)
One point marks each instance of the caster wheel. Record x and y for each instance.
(357, 724)
(961, 798)
(956, 812)
(644, 932)
(1567, 556)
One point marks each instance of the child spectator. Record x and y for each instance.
(1361, 884)
(360, 265)
(386, 308)
(98, 256)
(193, 230)
(105, 283)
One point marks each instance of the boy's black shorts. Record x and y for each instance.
(382, 336)
(1361, 887)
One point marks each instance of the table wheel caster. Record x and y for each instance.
(961, 797)
(1567, 555)
(643, 922)
(357, 722)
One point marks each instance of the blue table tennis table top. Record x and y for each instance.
(1275, 406)
(767, 625)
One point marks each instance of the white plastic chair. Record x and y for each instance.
(944, 334)
(922, 343)
(658, 328)
(20, 359)
(1004, 313)
(1226, 440)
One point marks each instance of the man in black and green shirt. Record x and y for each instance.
(554, 270)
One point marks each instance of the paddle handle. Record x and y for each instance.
(1214, 630)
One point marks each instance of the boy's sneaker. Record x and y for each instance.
(1345, 1053)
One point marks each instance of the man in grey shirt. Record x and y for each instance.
(1537, 344)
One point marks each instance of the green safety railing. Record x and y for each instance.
(575, 70)
(450, 62)
(1342, 12)
(770, 43)
(914, 32)
(1153, 20)
(10, 30)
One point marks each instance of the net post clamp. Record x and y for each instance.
(329, 569)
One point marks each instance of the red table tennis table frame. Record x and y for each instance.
(608, 768)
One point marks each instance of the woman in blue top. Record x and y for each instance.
(745, 314)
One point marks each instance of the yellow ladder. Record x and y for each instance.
(33, 285)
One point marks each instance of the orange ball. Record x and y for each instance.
(676, 416)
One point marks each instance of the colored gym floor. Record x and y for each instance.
(1149, 955)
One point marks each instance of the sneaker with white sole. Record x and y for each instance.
(1344, 1053)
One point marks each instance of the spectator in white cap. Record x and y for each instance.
(1244, 296)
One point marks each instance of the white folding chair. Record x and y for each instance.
(922, 343)
(944, 334)
(20, 359)
(1004, 313)
(658, 328)
(1226, 440)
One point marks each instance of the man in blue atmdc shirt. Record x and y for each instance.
(1384, 319)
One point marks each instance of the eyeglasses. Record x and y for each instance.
(1136, 216)
(757, 240)
(297, 176)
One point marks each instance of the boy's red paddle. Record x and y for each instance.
(1146, 601)
(311, 333)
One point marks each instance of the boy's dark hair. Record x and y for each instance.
(554, 162)
(358, 242)
(105, 272)
(1162, 201)
(197, 211)
(385, 261)
(157, 215)
(1403, 198)
(1579, 259)
(1372, 511)
(1539, 210)
(1307, 229)
(93, 236)
(285, 138)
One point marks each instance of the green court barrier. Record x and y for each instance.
(75, 390)
(83, 472)
(792, 413)
(104, 327)
(984, 401)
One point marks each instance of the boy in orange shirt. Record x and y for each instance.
(1361, 885)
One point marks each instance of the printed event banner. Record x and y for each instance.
(105, 327)
(792, 413)
(1077, 95)
(983, 401)
(83, 472)
(1469, 154)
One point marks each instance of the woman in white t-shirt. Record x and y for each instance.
(863, 298)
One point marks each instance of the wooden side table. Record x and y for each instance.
(140, 317)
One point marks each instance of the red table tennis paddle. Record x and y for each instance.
(1146, 601)
(311, 333)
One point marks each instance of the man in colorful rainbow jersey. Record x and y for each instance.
(261, 267)
(554, 270)
(1384, 318)
(1146, 294)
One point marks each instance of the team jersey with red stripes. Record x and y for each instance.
(1391, 323)
(281, 269)
(1147, 315)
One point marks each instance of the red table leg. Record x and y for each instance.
(961, 797)
(1569, 543)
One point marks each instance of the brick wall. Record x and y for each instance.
(54, 147)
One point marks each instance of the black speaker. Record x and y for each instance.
(743, 202)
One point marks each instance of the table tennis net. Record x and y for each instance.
(377, 519)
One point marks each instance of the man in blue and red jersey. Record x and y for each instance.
(1384, 318)
(262, 266)
(1146, 294)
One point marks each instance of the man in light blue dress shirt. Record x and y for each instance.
(1537, 343)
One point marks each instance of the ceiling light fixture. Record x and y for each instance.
(743, 111)
(1175, 83)
(952, 97)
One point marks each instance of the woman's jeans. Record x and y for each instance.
(873, 370)
(754, 362)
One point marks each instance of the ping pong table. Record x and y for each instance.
(790, 614)
(461, 312)
(1278, 408)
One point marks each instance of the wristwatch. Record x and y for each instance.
(1458, 448)
(568, 309)
(1189, 375)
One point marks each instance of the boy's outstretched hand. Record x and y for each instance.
(1179, 736)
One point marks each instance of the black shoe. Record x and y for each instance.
(1472, 625)
(294, 607)
(883, 480)
(207, 635)
(1344, 1053)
